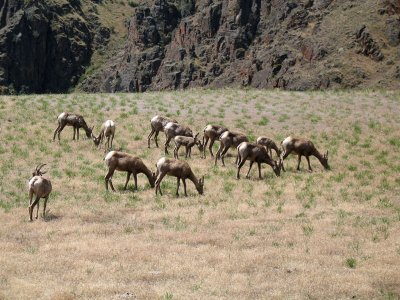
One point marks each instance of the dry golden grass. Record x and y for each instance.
(303, 235)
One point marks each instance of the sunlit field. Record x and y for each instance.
(303, 235)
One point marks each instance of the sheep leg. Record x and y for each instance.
(223, 155)
(308, 161)
(155, 138)
(298, 162)
(55, 132)
(176, 149)
(259, 170)
(61, 129)
(210, 147)
(112, 139)
(184, 186)
(218, 153)
(73, 138)
(177, 186)
(248, 172)
(30, 204)
(166, 145)
(108, 177)
(44, 207)
(239, 158)
(150, 135)
(108, 142)
(240, 165)
(284, 156)
(37, 208)
(158, 182)
(77, 133)
(187, 151)
(128, 176)
(135, 178)
(205, 142)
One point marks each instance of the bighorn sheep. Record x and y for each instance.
(269, 145)
(172, 130)
(179, 169)
(75, 120)
(229, 139)
(211, 132)
(255, 153)
(157, 124)
(188, 142)
(125, 162)
(41, 187)
(302, 147)
(107, 130)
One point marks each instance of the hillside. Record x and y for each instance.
(109, 45)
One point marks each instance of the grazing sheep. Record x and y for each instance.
(188, 142)
(157, 124)
(125, 162)
(269, 145)
(172, 130)
(255, 153)
(212, 133)
(228, 140)
(74, 120)
(107, 130)
(302, 147)
(179, 169)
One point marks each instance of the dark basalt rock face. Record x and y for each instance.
(260, 43)
(44, 46)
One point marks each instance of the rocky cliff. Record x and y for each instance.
(298, 45)
(45, 45)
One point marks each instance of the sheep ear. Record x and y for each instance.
(326, 155)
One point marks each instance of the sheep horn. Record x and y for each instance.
(41, 167)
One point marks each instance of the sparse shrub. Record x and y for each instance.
(351, 263)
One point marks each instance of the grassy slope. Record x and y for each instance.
(114, 15)
(304, 235)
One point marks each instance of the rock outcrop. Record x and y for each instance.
(48, 46)
(44, 45)
(264, 44)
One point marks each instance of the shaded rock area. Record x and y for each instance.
(45, 45)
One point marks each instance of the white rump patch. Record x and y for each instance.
(109, 123)
(61, 115)
(109, 156)
(286, 141)
(160, 162)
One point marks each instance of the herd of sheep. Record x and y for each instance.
(259, 152)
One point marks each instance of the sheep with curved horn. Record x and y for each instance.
(41, 188)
